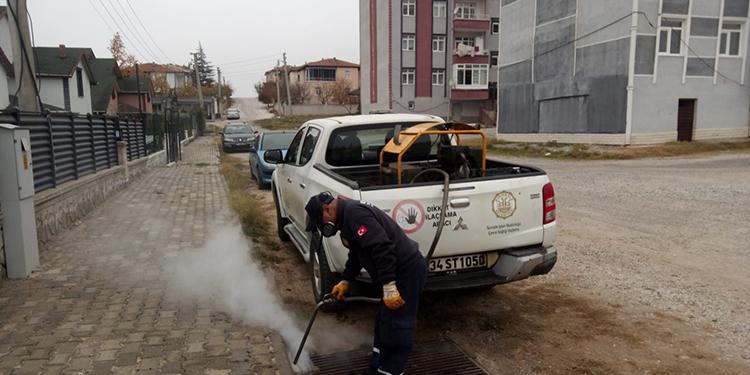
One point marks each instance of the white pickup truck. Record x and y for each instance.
(499, 226)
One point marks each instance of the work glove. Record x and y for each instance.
(391, 297)
(340, 289)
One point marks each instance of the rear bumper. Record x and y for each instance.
(512, 265)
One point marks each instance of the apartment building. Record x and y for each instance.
(623, 71)
(430, 56)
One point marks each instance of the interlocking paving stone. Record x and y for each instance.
(99, 304)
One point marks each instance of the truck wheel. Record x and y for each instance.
(321, 276)
(280, 221)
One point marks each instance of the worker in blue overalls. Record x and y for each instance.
(377, 244)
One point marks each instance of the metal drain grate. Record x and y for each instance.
(433, 358)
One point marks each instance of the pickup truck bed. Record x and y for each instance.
(370, 178)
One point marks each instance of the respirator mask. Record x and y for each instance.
(328, 229)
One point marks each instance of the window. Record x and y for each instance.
(670, 36)
(438, 43)
(466, 41)
(471, 75)
(79, 81)
(407, 76)
(729, 44)
(348, 75)
(311, 139)
(495, 29)
(494, 58)
(320, 74)
(408, 42)
(466, 11)
(438, 77)
(317, 91)
(438, 8)
(291, 153)
(409, 7)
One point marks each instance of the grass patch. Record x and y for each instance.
(253, 219)
(283, 123)
(554, 150)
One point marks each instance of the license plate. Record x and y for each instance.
(458, 263)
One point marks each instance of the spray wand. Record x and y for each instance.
(327, 300)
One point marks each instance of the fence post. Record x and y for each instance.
(143, 128)
(91, 135)
(51, 148)
(74, 145)
(106, 141)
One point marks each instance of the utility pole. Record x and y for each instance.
(218, 71)
(286, 79)
(24, 68)
(278, 89)
(138, 90)
(200, 90)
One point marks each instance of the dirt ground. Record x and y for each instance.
(651, 278)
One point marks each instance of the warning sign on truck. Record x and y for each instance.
(409, 214)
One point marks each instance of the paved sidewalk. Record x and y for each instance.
(99, 303)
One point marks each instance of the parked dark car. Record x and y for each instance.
(237, 136)
(259, 169)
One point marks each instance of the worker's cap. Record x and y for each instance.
(314, 208)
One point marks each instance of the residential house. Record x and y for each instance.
(319, 76)
(176, 76)
(104, 95)
(65, 77)
(6, 59)
(6, 73)
(129, 93)
(569, 73)
(437, 57)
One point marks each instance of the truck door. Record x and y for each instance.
(285, 178)
(299, 186)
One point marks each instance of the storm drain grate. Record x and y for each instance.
(434, 358)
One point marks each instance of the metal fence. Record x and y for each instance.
(66, 147)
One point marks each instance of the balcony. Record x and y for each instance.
(458, 94)
(471, 24)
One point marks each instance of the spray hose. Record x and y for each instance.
(329, 299)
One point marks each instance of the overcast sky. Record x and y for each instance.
(243, 37)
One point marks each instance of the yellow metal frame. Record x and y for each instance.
(409, 136)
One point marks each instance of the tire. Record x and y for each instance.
(321, 278)
(280, 221)
(252, 175)
(259, 179)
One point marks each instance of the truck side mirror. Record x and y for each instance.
(273, 156)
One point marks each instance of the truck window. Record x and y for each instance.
(361, 145)
(291, 154)
(311, 139)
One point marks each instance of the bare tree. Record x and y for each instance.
(300, 92)
(341, 94)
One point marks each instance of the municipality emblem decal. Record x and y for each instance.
(504, 204)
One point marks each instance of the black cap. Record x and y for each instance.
(314, 208)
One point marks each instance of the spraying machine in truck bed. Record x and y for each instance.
(495, 221)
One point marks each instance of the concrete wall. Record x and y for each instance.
(61, 207)
(553, 82)
(722, 99)
(381, 100)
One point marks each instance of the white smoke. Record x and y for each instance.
(222, 274)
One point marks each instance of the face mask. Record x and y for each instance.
(329, 229)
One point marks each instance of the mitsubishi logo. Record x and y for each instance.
(460, 225)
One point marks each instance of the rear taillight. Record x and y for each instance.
(548, 205)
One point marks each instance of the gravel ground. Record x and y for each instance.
(666, 234)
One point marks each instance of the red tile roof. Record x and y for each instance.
(333, 62)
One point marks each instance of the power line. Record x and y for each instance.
(146, 30)
(137, 34)
(117, 25)
(102, 17)
(275, 55)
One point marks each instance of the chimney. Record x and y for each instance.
(61, 51)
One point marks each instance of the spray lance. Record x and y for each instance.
(329, 299)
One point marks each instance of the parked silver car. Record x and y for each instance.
(233, 114)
